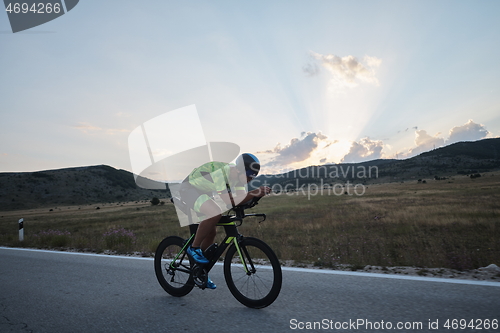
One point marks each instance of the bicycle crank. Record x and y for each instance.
(200, 276)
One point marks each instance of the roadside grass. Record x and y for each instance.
(140, 228)
(451, 224)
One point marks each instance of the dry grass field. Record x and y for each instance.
(452, 223)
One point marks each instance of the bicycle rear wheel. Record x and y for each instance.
(173, 267)
(261, 284)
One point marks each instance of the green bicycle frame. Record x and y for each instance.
(232, 236)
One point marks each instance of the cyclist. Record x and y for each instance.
(230, 182)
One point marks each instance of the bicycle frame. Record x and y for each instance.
(229, 222)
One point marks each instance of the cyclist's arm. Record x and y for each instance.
(241, 196)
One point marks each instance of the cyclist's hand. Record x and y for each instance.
(263, 190)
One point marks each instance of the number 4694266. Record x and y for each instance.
(477, 324)
(36, 8)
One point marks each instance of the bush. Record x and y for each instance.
(155, 201)
(119, 239)
(53, 238)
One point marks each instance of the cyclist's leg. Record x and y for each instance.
(205, 235)
(207, 230)
(195, 200)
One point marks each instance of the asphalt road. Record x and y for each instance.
(62, 292)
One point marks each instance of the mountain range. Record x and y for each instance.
(104, 184)
(71, 186)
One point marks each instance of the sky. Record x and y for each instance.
(295, 82)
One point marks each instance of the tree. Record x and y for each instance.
(155, 201)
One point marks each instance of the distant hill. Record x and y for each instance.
(458, 158)
(104, 184)
(485, 149)
(71, 186)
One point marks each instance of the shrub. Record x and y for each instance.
(119, 239)
(53, 238)
(155, 201)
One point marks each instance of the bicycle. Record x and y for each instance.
(251, 268)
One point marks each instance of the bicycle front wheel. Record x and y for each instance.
(253, 274)
(173, 267)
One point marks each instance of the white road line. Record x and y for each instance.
(295, 269)
(76, 253)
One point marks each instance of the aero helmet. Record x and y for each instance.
(251, 163)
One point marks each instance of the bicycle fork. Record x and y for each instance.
(243, 253)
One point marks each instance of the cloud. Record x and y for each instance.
(346, 71)
(123, 114)
(424, 142)
(470, 131)
(311, 69)
(298, 150)
(91, 129)
(364, 150)
(406, 130)
(86, 127)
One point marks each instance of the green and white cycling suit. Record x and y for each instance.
(204, 181)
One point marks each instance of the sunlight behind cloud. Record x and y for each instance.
(309, 149)
(364, 150)
(346, 97)
(346, 72)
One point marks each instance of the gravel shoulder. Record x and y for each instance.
(488, 273)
